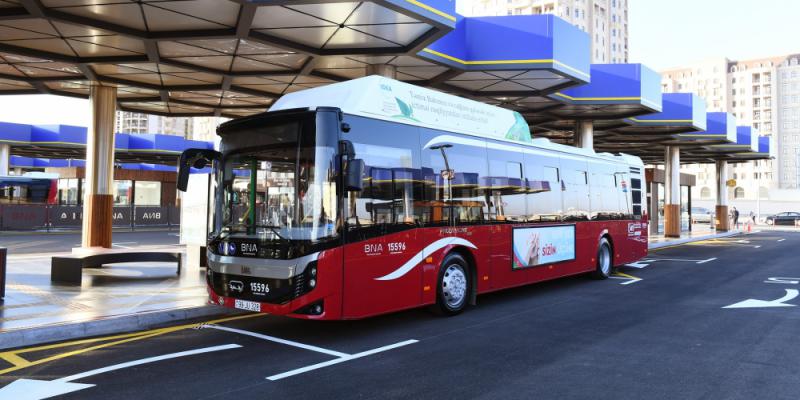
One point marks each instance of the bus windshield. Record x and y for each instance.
(283, 188)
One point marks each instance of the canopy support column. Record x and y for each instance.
(721, 221)
(672, 192)
(5, 159)
(584, 134)
(384, 70)
(98, 198)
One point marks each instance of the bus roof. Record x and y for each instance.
(391, 100)
(387, 99)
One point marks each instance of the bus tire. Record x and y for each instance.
(605, 263)
(452, 286)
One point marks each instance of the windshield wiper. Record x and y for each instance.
(274, 229)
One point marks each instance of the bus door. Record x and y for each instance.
(380, 274)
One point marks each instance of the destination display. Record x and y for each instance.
(543, 245)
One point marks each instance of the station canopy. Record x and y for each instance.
(235, 57)
(47, 143)
(616, 92)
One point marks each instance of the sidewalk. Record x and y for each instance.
(697, 234)
(123, 297)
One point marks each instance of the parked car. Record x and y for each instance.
(784, 218)
(701, 215)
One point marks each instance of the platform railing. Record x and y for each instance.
(43, 217)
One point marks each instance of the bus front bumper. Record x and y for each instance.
(304, 296)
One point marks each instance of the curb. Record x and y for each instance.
(678, 242)
(112, 325)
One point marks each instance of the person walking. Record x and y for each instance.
(753, 217)
(735, 215)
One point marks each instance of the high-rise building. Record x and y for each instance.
(606, 21)
(197, 128)
(763, 93)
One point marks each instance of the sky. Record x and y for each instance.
(45, 109)
(662, 34)
(672, 33)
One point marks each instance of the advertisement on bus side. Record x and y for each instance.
(543, 245)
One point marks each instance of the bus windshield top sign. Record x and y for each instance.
(543, 245)
(391, 100)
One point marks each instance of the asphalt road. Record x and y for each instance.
(660, 331)
(34, 243)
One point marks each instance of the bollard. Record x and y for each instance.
(3, 253)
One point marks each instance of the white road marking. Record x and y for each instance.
(147, 361)
(680, 259)
(32, 389)
(755, 303)
(120, 245)
(780, 240)
(339, 360)
(639, 264)
(278, 340)
(757, 246)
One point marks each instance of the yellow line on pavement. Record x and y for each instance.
(15, 359)
(626, 276)
(125, 338)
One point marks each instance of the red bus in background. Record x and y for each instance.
(28, 190)
(401, 197)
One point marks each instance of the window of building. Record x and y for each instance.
(68, 192)
(122, 193)
(705, 193)
(738, 193)
(147, 193)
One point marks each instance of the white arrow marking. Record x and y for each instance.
(754, 303)
(780, 240)
(638, 264)
(32, 389)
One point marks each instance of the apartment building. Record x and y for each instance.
(197, 128)
(606, 21)
(763, 93)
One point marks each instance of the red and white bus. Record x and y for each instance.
(372, 196)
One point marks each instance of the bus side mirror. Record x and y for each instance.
(353, 175)
(193, 158)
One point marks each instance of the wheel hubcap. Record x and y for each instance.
(454, 286)
(605, 260)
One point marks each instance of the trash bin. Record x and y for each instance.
(3, 252)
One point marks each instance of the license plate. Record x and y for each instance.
(247, 305)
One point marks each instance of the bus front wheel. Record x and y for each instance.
(604, 260)
(453, 285)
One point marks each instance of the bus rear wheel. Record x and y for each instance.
(452, 286)
(604, 260)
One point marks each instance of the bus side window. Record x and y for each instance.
(461, 194)
(542, 181)
(504, 189)
(576, 191)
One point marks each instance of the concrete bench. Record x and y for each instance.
(69, 269)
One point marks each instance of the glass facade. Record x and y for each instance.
(68, 192)
(147, 193)
(122, 193)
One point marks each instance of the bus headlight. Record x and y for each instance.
(312, 283)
